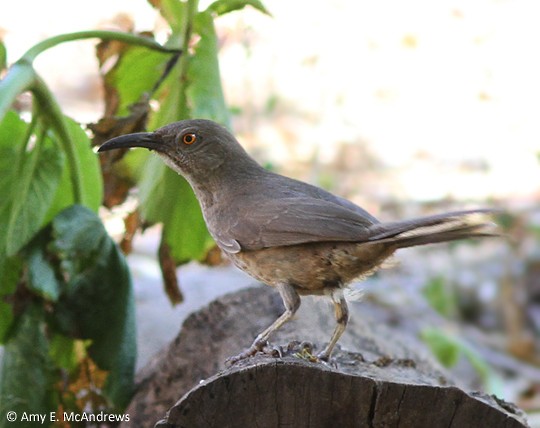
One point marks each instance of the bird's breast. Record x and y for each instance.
(313, 268)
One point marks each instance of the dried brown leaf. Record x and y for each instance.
(168, 272)
(131, 222)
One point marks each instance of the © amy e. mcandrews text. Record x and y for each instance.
(66, 417)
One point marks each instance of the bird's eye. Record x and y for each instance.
(189, 139)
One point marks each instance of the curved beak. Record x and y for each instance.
(148, 140)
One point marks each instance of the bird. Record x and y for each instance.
(293, 236)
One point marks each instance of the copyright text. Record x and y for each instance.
(45, 418)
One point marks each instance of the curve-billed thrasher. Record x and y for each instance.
(293, 236)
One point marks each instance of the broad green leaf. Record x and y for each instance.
(99, 300)
(183, 224)
(12, 138)
(92, 181)
(185, 230)
(27, 378)
(33, 192)
(152, 190)
(445, 347)
(136, 73)
(204, 91)
(221, 7)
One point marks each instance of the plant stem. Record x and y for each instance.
(16, 81)
(24, 147)
(57, 121)
(183, 63)
(21, 76)
(129, 38)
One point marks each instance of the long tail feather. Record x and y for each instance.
(437, 228)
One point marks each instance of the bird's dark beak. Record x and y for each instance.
(148, 140)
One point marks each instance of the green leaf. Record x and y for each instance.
(173, 12)
(493, 384)
(183, 224)
(62, 352)
(222, 7)
(136, 73)
(185, 230)
(92, 181)
(152, 191)
(33, 192)
(41, 275)
(99, 301)
(171, 99)
(204, 91)
(12, 138)
(26, 377)
(445, 347)
(439, 297)
(132, 164)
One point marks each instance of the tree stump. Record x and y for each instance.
(389, 380)
(266, 392)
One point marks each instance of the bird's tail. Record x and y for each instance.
(436, 228)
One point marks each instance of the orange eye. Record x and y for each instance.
(189, 139)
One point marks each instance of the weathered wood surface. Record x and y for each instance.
(266, 392)
(389, 380)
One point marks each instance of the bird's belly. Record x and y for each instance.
(313, 268)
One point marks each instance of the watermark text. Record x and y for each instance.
(47, 418)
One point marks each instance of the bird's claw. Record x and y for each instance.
(257, 346)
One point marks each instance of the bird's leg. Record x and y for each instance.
(291, 301)
(341, 312)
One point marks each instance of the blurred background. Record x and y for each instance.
(406, 108)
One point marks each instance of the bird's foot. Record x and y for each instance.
(250, 352)
(261, 346)
(303, 350)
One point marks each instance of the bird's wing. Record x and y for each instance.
(290, 221)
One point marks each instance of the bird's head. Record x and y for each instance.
(193, 148)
